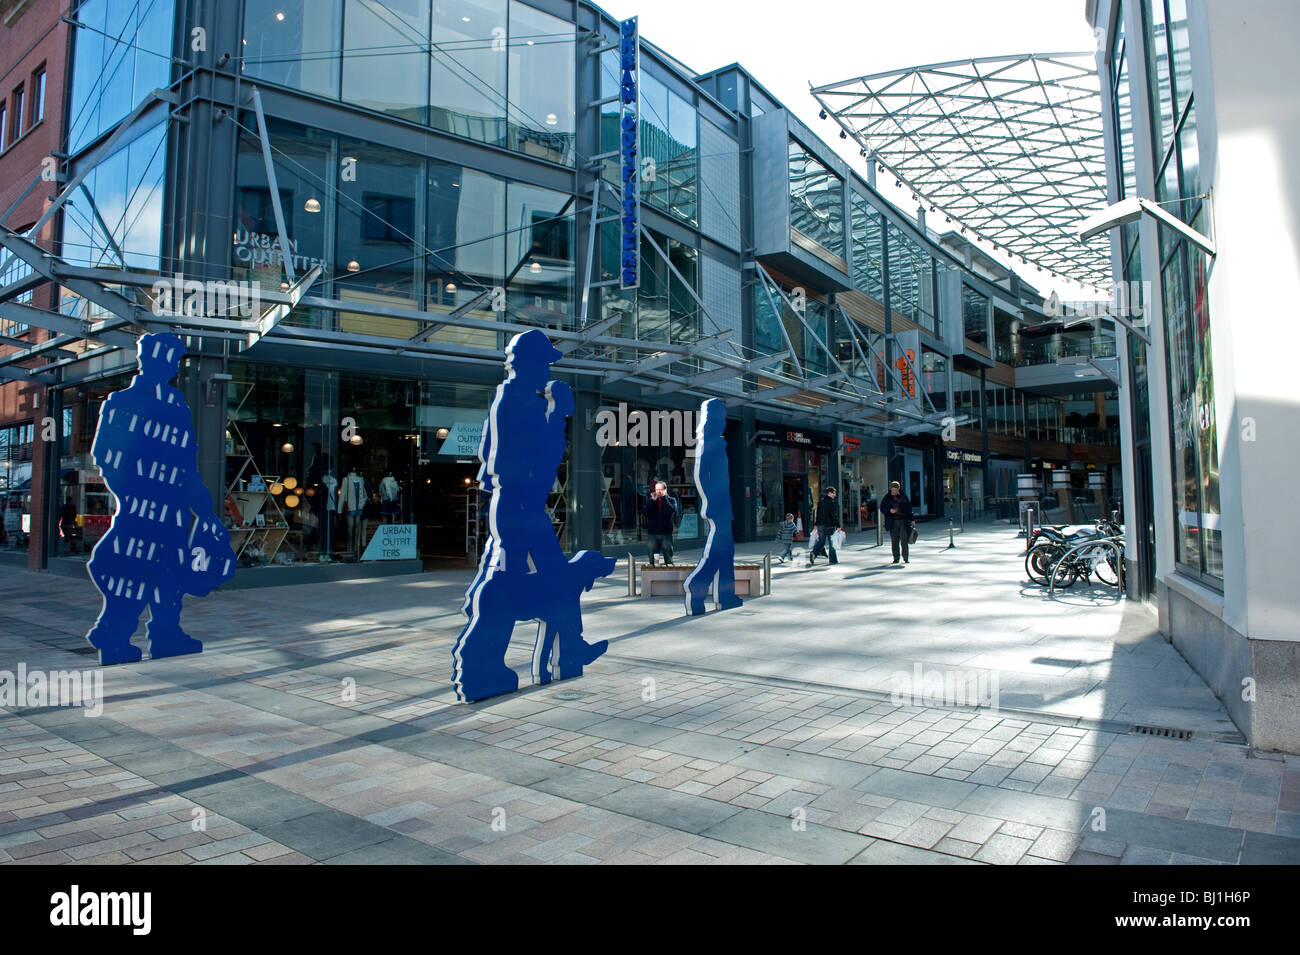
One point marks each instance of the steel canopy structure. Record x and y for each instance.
(1008, 147)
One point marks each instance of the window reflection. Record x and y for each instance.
(385, 56)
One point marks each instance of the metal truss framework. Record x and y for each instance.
(124, 310)
(1009, 147)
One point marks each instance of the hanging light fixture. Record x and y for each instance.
(355, 439)
(535, 267)
(450, 287)
(354, 266)
(442, 433)
(287, 447)
(312, 204)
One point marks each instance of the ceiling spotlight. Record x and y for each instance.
(843, 134)
(312, 204)
(552, 119)
(821, 114)
(535, 267)
(280, 16)
(932, 208)
(897, 184)
(862, 152)
(947, 218)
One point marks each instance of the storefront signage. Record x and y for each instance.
(463, 439)
(907, 360)
(851, 444)
(630, 152)
(958, 456)
(392, 542)
(793, 437)
(259, 249)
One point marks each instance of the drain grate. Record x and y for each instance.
(1164, 731)
(569, 695)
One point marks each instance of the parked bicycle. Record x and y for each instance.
(1048, 545)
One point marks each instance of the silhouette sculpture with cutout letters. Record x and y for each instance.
(713, 480)
(155, 552)
(523, 574)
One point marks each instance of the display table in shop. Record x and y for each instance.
(665, 580)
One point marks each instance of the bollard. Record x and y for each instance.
(767, 573)
(880, 530)
(951, 545)
(631, 575)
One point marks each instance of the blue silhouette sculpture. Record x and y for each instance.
(523, 574)
(713, 480)
(155, 552)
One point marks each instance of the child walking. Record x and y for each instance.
(785, 535)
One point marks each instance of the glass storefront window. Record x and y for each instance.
(868, 257)
(122, 55)
(539, 256)
(84, 507)
(975, 315)
(911, 283)
(16, 443)
(303, 161)
(464, 205)
(629, 474)
(375, 241)
(540, 120)
(386, 56)
(816, 203)
(292, 43)
(467, 69)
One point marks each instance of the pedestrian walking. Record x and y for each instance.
(897, 510)
(660, 518)
(828, 522)
(785, 535)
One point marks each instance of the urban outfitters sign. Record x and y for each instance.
(629, 151)
(392, 542)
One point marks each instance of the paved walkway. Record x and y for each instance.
(318, 725)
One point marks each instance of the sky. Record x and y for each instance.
(791, 44)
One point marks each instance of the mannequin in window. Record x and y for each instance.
(390, 493)
(353, 495)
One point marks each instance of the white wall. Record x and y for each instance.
(1248, 111)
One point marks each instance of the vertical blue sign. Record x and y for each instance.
(629, 98)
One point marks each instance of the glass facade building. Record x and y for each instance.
(433, 166)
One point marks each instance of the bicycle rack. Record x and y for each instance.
(1114, 543)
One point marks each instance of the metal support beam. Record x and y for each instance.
(286, 255)
(89, 164)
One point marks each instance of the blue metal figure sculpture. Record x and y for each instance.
(155, 552)
(713, 479)
(523, 574)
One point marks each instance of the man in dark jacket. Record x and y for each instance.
(828, 522)
(660, 518)
(896, 509)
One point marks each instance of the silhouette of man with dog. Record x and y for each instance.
(523, 574)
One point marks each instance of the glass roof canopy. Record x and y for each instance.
(1009, 147)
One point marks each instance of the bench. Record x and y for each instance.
(659, 580)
